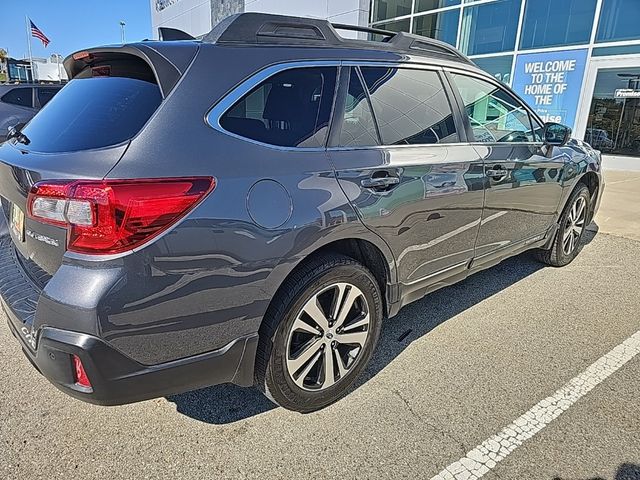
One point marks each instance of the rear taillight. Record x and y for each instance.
(80, 375)
(113, 216)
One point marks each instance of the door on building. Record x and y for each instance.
(612, 122)
(613, 125)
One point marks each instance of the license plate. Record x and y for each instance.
(17, 222)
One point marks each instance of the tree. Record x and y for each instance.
(3, 65)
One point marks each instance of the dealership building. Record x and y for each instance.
(576, 62)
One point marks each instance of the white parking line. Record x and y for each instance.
(485, 456)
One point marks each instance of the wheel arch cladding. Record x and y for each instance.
(364, 251)
(591, 180)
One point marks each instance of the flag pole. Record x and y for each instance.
(33, 78)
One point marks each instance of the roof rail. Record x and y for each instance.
(267, 29)
(358, 28)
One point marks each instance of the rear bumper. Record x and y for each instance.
(116, 379)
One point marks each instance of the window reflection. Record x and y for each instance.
(495, 115)
(384, 9)
(441, 26)
(557, 22)
(410, 106)
(490, 27)
(619, 20)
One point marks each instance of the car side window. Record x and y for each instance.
(45, 95)
(290, 109)
(496, 116)
(19, 96)
(410, 106)
(358, 126)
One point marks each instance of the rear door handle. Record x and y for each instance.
(497, 172)
(380, 182)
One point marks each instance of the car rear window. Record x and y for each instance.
(19, 96)
(92, 113)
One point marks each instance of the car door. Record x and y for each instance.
(523, 184)
(398, 151)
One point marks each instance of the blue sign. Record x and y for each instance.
(551, 83)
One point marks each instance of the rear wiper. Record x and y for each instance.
(16, 132)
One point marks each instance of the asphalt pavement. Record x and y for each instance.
(450, 372)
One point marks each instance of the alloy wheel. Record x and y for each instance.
(327, 337)
(574, 225)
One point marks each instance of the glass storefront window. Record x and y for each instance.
(619, 20)
(490, 27)
(549, 23)
(499, 67)
(614, 118)
(617, 50)
(384, 9)
(425, 5)
(397, 26)
(442, 25)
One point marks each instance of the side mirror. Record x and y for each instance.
(556, 135)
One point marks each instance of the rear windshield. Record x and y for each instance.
(92, 113)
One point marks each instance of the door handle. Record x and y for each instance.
(380, 182)
(497, 171)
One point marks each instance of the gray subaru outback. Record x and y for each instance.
(250, 206)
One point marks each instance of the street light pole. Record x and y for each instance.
(122, 32)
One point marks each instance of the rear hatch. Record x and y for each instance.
(82, 133)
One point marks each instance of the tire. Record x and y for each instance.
(296, 346)
(564, 249)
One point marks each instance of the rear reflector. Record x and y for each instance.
(80, 376)
(114, 216)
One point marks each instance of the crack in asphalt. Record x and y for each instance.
(427, 423)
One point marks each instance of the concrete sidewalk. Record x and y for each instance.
(619, 212)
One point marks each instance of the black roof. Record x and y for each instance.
(268, 29)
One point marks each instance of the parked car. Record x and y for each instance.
(599, 139)
(20, 102)
(249, 207)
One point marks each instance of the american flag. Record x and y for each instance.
(36, 32)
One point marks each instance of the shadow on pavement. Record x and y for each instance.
(224, 404)
(626, 471)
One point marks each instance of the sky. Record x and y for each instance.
(71, 25)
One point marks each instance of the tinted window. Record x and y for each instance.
(619, 20)
(410, 106)
(358, 126)
(92, 113)
(46, 94)
(495, 114)
(442, 25)
(19, 96)
(383, 9)
(557, 22)
(490, 27)
(289, 109)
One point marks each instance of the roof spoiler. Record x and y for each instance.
(167, 34)
(168, 61)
